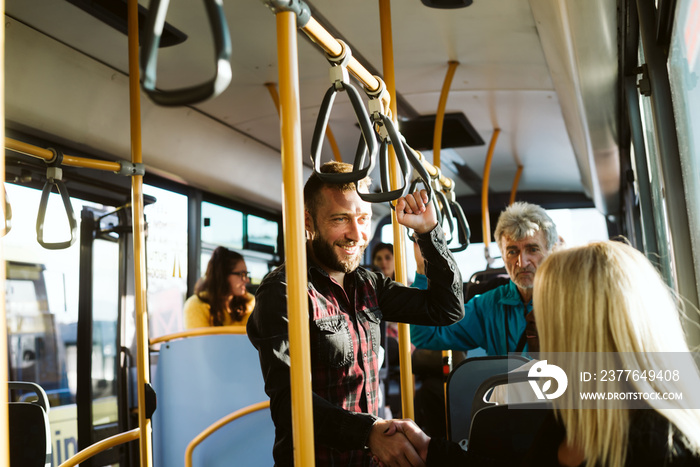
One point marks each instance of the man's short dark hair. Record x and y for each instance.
(314, 184)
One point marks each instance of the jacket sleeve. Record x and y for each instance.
(268, 331)
(442, 303)
(466, 334)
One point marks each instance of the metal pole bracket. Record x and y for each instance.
(129, 169)
(297, 7)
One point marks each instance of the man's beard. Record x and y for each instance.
(327, 256)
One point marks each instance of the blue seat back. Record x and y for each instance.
(462, 384)
(199, 380)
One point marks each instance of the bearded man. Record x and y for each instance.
(346, 305)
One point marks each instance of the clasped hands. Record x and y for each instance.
(398, 443)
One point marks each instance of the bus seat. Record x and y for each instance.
(30, 434)
(462, 384)
(199, 380)
(514, 383)
(505, 433)
(483, 281)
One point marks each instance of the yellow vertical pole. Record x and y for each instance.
(294, 241)
(440, 117)
(485, 216)
(399, 232)
(142, 364)
(4, 370)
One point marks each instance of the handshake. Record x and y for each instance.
(398, 443)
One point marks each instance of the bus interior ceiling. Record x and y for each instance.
(544, 72)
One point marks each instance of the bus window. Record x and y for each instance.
(261, 234)
(684, 70)
(221, 226)
(166, 250)
(658, 190)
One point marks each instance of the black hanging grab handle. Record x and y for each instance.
(419, 168)
(54, 176)
(366, 146)
(149, 57)
(394, 138)
(438, 212)
(463, 231)
(444, 206)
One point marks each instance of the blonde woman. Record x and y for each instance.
(607, 298)
(606, 303)
(221, 297)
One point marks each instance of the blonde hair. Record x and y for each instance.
(607, 297)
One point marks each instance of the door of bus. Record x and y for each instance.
(63, 309)
(102, 359)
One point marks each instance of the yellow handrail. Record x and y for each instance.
(400, 274)
(4, 370)
(139, 241)
(332, 47)
(47, 155)
(485, 216)
(272, 89)
(210, 331)
(218, 424)
(516, 181)
(440, 116)
(294, 241)
(100, 446)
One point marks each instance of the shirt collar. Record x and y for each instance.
(512, 295)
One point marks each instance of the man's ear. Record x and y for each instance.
(308, 223)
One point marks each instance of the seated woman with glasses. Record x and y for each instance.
(220, 297)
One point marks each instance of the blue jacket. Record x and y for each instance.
(483, 324)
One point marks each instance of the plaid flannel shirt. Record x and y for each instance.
(345, 339)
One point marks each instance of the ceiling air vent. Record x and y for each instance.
(114, 14)
(457, 132)
(446, 3)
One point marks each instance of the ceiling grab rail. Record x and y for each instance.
(367, 145)
(485, 215)
(118, 167)
(157, 11)
(54, 177)
(8, 215)
(516, 182)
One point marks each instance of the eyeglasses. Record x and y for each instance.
(244, 275)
